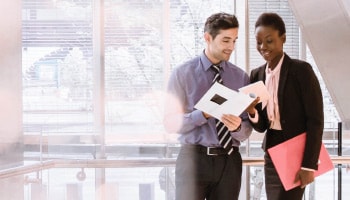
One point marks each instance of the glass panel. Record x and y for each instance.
(147, 182)
(292, 48)
(141, 47)
(139, 54)
(57, 75)
(324, 186)
(256, 7)
(346, 140)
(187, 20)
(134, 77)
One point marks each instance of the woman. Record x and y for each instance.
(295, 105)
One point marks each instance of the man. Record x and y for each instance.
(204, 168)
(295, 105)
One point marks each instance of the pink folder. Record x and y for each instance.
(287, 158)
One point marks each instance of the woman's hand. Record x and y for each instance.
(251, 107)
(305, 177)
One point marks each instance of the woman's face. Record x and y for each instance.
(269, 44)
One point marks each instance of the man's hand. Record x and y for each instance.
(305, 177)
(231, 121)
(206, 115)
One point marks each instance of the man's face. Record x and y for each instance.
(221, 48)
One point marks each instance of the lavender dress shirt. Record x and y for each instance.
(188, 83)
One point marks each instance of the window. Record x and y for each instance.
(94, 72)
(57, 71)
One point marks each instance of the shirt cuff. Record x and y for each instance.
(308, 169)
(198, 117)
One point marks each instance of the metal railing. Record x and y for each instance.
(102, 163)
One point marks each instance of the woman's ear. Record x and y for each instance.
(284, 38)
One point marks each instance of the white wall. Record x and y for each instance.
(11, 153)
(326, 28)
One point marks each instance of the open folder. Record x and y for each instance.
(258, 89)
(219, 100)
(287, 158)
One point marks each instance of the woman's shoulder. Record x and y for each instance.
(258, 70)
(295, 61)
(301, 69)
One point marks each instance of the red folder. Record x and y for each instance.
(287, 158)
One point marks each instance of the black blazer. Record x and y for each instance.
(300, 105)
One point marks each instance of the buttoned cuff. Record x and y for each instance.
(198, 117)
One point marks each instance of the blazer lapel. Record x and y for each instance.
(282, 81)
(261, 74)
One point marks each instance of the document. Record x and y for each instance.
(258, 89)
(287, 158)
(219, 100)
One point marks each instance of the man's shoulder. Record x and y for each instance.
(234, 67)
(188, 65)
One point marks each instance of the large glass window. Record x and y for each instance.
(94, 72)
(141, 47)
(57, 72)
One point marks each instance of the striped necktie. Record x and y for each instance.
(224, 135)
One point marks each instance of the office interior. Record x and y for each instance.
(82, 85)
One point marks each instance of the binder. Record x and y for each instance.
(287, 159)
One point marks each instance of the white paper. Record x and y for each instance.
(219, 100)
(258, 89)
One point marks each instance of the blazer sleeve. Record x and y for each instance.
(311, 95)
(262, 124)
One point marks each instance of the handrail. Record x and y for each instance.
(103, 163)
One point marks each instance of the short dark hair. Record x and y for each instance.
(272, 20)
(220, 21)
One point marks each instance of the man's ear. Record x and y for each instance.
(207, 37)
